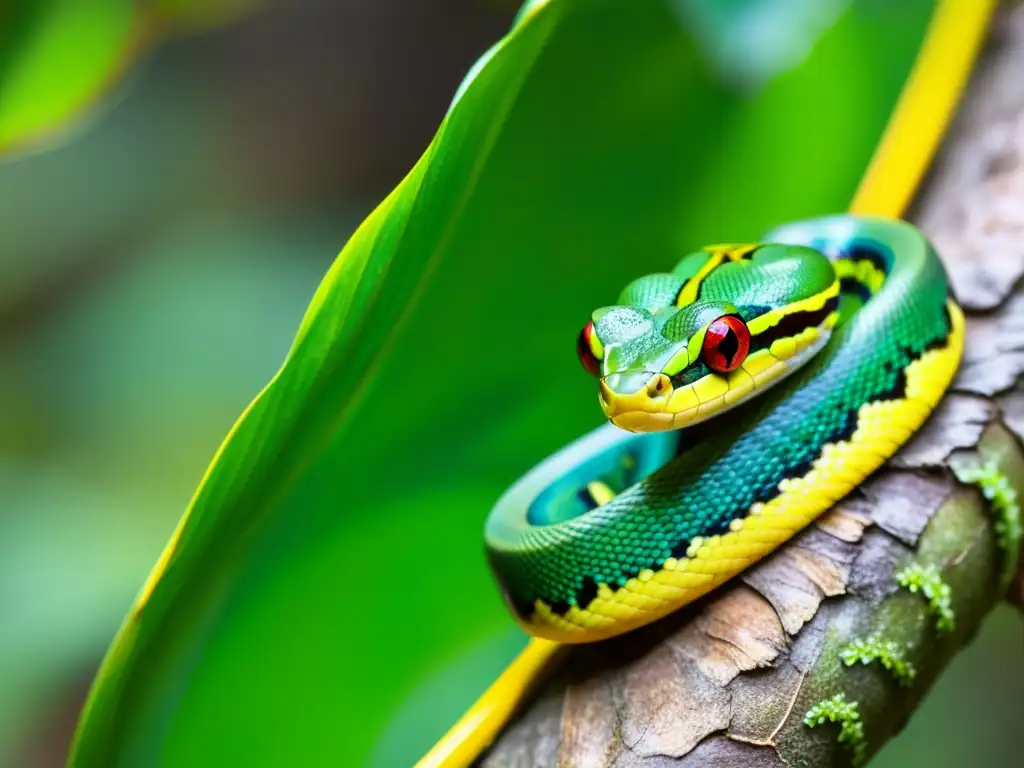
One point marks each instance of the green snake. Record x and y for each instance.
(828, 345)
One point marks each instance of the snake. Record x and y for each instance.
(746, 391)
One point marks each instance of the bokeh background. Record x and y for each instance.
(154, 265)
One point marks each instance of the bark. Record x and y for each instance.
(729, 681)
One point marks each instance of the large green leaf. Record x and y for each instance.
(330, 570)
(58, 58)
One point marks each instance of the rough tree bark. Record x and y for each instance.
(729, 681)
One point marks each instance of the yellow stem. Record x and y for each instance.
(476, 729)
(925, 107)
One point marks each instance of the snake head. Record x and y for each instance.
(648, 362)
(667, 366)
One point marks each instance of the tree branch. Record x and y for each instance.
(870, 603)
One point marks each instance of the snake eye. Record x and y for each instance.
(586, 346)
(726, 344)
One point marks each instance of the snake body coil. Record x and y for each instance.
(828, 345)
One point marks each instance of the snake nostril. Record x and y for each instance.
(659, 385)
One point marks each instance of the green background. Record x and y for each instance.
(157, 265)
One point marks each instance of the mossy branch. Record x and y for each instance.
(818, 655)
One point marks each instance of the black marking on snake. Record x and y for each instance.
(792, 324)
(586, 593)
(718, 257)
(583, 597)
(675, 301)
(689, 375)
(520, 605)
(942, 341)
(587, 498)
(854, 286)
(729, 253)
(560, 607)
(898, 390)
(864, 252)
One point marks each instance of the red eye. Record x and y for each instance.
(726, 344)
(585, 351)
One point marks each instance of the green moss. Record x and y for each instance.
(995, 486)
(887, 652)
(851, 729)
(926, 580)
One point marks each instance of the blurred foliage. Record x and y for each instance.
(139, 309)
(201, 14)
(58, 58)
(331, 563)
(78, 479)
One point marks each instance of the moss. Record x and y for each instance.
(995, 486)
(851, 729)
(886, 652)
(926, 580)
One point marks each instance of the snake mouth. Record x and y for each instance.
(642, 401)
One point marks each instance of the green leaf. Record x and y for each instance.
(331, 563)
(59, 59)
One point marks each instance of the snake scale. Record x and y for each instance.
(827, 346)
